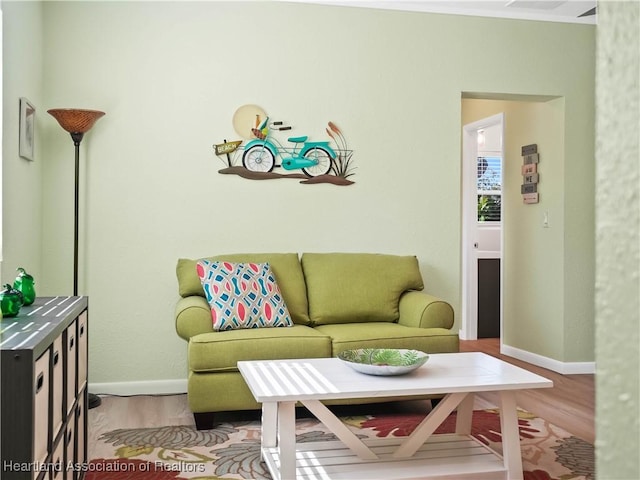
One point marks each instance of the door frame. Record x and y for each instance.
(469, 330)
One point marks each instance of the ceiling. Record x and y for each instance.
(567, 11)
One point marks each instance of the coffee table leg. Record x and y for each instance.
(510, 435)
(464, 415)
(287, 439)
(269, 424)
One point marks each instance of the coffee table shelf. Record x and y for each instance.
(443, 455)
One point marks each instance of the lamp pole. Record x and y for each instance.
(77, 122)
(77, 138)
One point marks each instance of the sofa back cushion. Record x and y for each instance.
(285, 266)
(357, 287)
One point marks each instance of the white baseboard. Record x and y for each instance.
(151, 387)
(565, 368)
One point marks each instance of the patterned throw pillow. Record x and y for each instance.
(242, 295)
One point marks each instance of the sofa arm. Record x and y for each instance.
(419, 309)
(193, 316)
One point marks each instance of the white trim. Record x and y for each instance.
(149, 387)
(567, 14)
(469, 330)
(565, 368)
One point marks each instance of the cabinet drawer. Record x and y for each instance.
(81, 429)
(57, 386)
(69, 441)
(41, 412)
(82, 350)
(71, 360)
(57, 461)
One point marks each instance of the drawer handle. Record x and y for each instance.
(56, 357)
(69, 436)
(71, 343)
(82, 329)
(40, 382)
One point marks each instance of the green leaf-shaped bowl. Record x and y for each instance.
(383, 361)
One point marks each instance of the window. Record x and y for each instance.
(489, 186)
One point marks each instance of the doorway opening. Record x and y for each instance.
(482, 162)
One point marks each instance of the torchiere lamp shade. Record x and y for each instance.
(75, 120)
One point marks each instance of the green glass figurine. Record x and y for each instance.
(25, 284)
(10, 301)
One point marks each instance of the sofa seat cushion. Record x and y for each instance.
(357, 287)
(220, 351)
(285, 266)
(350, 336)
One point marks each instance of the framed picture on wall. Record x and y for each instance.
(27, 128)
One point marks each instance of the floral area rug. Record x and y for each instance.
(232, 450)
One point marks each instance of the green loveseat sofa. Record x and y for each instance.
(337, 301)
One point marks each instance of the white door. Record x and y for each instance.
(482, 154)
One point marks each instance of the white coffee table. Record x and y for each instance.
(279, 384)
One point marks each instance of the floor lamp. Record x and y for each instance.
(77, 122)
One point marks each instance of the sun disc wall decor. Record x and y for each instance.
(261, 151)
(247, 117)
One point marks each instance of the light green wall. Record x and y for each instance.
(618, 241)
(21, 179)
(170, 77)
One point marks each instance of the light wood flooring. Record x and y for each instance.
(570, 404)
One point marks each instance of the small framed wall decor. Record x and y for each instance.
(530, 175)
(27, 128)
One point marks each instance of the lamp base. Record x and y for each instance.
(94, 400)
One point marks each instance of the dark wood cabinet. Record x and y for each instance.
(44, 390)
(489, 298)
